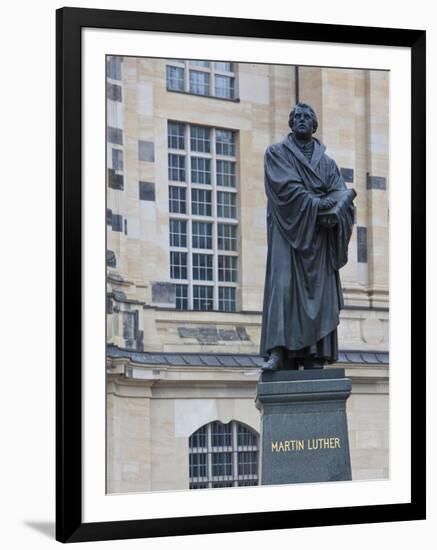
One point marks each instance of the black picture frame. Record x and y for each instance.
(69, 525)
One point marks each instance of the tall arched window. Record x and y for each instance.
(223, 455)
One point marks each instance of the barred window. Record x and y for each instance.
(178, 265)
(202, 298)
(181, 296)
(220, 457)
(202, 267)
(176, 135)
(226, 204)
(246, 437)
(226, 298)
(201, 202)
(198, 465)
(200, 170)
(247, 462)
(221, 464)
(178, 233)
(175, 78)
(227, 269)
(200, 139)
(202, 234)
(226, 173)
(226, 236)
(177, 200)
(176, 167)
(221, 434)
(225, 142)
(199, 83)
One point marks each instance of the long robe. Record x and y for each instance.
(302, 294)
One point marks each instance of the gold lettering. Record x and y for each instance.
(274, 446)
(300, 445)
(287, 445)
(281, 445)
(337, 442)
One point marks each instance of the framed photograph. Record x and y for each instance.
(206, 166)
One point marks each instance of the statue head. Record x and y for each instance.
(303, 120)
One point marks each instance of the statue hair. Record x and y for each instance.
(311, 110)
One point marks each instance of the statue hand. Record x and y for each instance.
(326, 203)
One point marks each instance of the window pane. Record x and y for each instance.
(200, 170)
(198, 465)
(175, 78)
(225, 142)
(226, 205)
(198, 439)
(222, 66)
(246, 437)
(202, 298)
(199, 63)
(202, 235)
(177, 200)
(181, 296)
(221, 434)
(176, 135)
(221, 464)
(248, 463)
(202, 267)
(226, 173)
(226, 236)
(117, 159)
(224, 86)
(199, 83)
(200, 139)
(115, 135)
(178, 265)
(176, 167)
(227, 299)
(201, 202)
(178, 233)
(227, 269)
(113, 67)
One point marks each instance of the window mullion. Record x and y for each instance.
(209, 455)
(189, 212)
(212, 81)
(234, 454)
(214, 214)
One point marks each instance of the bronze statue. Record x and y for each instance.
(310, 215)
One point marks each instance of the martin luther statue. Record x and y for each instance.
(309, 224)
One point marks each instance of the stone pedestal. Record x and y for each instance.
(304, 436)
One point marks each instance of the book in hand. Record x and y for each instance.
(344, 199)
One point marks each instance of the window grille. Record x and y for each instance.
(223, 455)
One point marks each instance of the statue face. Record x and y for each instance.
(302, 125)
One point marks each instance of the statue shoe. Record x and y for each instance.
(274, 362)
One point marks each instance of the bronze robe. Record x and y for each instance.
(302, 295)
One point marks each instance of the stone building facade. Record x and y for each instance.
(186, 251)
